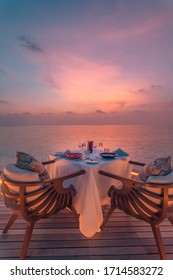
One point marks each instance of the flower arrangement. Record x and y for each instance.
(90, 146)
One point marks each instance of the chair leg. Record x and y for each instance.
(107, 217)
(159, 241)
(10, 222)
(27, 238)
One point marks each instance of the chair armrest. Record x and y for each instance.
(132, 182)
(136, 163)
(75, 174)
(120, 178)
(48, 162)
(38, 183)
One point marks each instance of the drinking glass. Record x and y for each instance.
(100, 146)
(83, 146)
(86, 153)
(80, 146)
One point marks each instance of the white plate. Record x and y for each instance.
(92, 161)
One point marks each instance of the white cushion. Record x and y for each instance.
(168, 179)
(12, 172)
(20, 175)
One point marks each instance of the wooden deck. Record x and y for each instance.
(123, 238)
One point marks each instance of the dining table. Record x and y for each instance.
(91, 187)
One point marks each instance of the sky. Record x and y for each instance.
(86, 62)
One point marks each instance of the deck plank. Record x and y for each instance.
(58, 237)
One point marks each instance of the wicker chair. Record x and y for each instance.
(151, 202)
(36, 200)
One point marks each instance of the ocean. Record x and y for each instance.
(142, 142)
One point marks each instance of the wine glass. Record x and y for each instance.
(80, 146)
(100, 145)
(106, 150)
(95, 146)
(86, 154)
(95, 149)
(83, 146)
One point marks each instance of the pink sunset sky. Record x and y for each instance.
(86, 62)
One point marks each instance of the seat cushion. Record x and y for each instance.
(158, 167)
(167, 179)
(12, 172)
(28, 162)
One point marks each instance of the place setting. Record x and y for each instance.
(108, 155)
(89, 154)
(119, 153)
(74, 155)
(92, 155)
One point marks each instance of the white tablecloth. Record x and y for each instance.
(91, 188)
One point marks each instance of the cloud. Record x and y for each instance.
(12, 114)
(47, 113)
(3, 101)
(114, 112)
(140, 112)
(156, 86)
(50, 80)
(153, 106)
(165, 105)
(148, 89)
(141, 91)
(121, 103)
(28, 44)
(100, 111)
(26, 113)
(136, 116)
(135, 24)
(78, 77)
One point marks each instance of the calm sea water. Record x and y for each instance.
(141, 142)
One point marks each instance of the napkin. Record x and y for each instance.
(120, 152)
(61, 154)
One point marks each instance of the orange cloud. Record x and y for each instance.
(79, 80)
(87, 66)
(139, 24)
